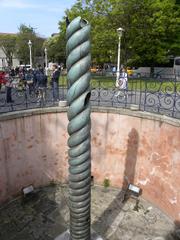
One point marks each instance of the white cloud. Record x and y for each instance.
(16, 4)
(24, 4)
(12, 4)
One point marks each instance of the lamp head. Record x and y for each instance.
(29, 43)
(120, 31)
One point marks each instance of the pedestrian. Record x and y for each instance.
(2, 78)
(41, 83)
(55, 82)
(8, 88)
(16, 71)
(122, 83)
(114, 71)
(29, 78)
(22, 77)
(12, 72)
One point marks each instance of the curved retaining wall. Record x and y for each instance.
(127, 146)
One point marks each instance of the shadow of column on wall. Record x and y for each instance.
(175, 235)
(112, 216)
(131, 158)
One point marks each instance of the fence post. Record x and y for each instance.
(145, 95)
(175, 93)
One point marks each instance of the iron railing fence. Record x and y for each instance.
(160, 96)
(24, 99)
(154, 95)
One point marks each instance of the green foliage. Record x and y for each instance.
(8, 45)
(25, 34)
(106, 183)
(56, 48)
(152, 29)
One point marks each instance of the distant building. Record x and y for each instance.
(3, 60)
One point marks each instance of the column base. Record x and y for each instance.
(66, 236)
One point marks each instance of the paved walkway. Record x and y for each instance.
(45, 215)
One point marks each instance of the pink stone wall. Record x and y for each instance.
(125, 149)
(32, 151)
(140, 151)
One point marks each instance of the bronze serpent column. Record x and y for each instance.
(78, 97)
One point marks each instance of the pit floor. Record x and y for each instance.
(45, 215)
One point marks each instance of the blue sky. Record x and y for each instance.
(43, 15)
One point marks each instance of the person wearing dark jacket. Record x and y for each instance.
(41, 83)
(29, 77)
(55, 80)
(8, 88)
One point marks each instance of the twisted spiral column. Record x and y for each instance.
(78, 66)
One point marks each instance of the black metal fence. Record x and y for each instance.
(153, 95)
(22, 98)
(160, 96)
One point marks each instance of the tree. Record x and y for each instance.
(25, 34)
(151, 29)
(101, 37)
(8, 45)
(56, 47)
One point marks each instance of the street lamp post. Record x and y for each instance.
(46, 61)
(119, 31)
(30, 52)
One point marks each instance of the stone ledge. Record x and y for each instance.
(129, 112)
(139, 114)
(31, 112)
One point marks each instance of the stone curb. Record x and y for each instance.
(133, 112)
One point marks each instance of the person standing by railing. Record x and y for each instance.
(30, 81)
(122, 83)
(9, 80)
(55, 82)
(41, 83)
(114, 70)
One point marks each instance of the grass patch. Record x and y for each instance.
(106, 183)
(153, 85)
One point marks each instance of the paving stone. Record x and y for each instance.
(23, 235)
(8, 232)
(45, 206)
(46, 216)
